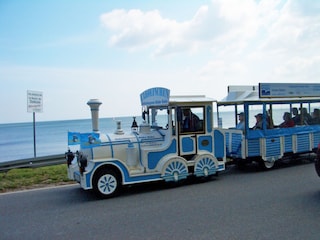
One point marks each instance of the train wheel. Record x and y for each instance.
(175, 170)
(205, 166)
(267, 164)
(106, 183)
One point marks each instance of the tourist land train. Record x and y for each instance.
(177, 138)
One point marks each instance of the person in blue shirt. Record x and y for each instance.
(240, 124)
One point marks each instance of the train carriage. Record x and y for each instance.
(279, 120)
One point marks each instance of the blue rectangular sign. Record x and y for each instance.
(287, 90)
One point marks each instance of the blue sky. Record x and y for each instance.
(73, 51)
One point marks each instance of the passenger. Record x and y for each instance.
(288, 121)
(190, 122)
(259, 121)
(240, 124)
(269, 119)
(296, 116)
(306, 117)
(315, 116)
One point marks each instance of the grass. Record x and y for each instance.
(28, 178)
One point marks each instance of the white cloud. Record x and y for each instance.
(136, 29)
(222, 23)
(245, 41)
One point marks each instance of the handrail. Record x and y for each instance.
(33, 162)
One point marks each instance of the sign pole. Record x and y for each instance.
(34, 104)
(34, 136)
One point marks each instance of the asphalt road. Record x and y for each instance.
(283, 203)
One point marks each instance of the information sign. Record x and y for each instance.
(155, 97)
(288, 90)
(34, 101)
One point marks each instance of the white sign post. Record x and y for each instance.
(34, 104)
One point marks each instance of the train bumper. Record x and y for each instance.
(76, 169)
(81, 178)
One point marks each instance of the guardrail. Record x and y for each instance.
(33, 162)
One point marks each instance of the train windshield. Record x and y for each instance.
(157, 117)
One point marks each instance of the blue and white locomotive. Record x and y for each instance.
(176, 140)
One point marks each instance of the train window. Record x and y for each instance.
(315, 113)
(159, 118)
(301, 114)
(254, 112)
(228, 116)
(192, 119)
(280, 116)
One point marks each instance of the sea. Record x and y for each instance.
(51, 137)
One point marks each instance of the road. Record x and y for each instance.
(283, 203)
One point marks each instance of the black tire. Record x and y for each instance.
(106, 183)
(241, 165)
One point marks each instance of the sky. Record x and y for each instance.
(73, 51)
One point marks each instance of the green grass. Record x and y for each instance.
(27, 178)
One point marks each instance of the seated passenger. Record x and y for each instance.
(259, 121)
(288, 122)
(306, 117)
(296, 116)
(315, 116)
(240, 124)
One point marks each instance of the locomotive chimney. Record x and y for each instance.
(94, 106)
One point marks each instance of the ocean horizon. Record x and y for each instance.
(16, 139)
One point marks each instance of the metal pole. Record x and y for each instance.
(34, 135)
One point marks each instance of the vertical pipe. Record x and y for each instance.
(34, 135)
(94, 106)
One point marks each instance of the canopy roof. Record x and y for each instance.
(242, 94)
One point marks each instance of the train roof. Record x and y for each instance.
(159, 96)
(244, 94)
(190, 99)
